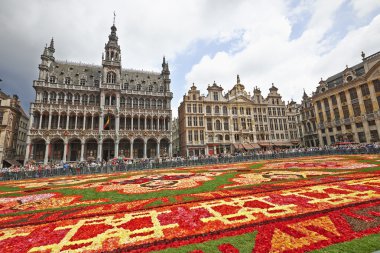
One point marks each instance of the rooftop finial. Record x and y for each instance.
(238, 79)
(114, 17)
(363, 55)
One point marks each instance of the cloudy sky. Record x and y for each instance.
(292, 44)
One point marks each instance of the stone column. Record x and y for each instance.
(101, 121)
(67, 121)
(49, 125)
(84, 122)
(164, 126)
(138, 123)
(117, 123)
(117, 148)
(82, 151)
(40, 123)
(158, 148)
(131, 149)
(76, 121)
(145, 145)
(92, 122)
(364, 112)
(65, 147)
(132, 123)
(145, 126)
(46, 159)
(170, 149)
(27, 152)
(59, 120)
(100, 150)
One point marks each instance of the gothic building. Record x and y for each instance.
(99, 112)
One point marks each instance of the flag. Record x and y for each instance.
(107, 122)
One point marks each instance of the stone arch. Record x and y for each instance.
(125, 147)
(108, 149)
(138, 148)
(74, 149)
(151, 147)
(90, 149)
(164, 147)
(38, 146)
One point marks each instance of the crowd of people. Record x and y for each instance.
(37, 170)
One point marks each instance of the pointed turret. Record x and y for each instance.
(51, 47)
(165, 73)
(305, 96)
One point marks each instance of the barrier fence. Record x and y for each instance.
(120, 166)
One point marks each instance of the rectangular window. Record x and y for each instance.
(195, 121)
(189, 121)
(374, 135)
(248, 111)
(365, 90)
(359, 125)
(234, 110)
(195, 135)
(236, 128)
(319, 105)
(194, 108)
(333, 100)
(188, 108)
(209, 124)
(321, 119)
(356, 108)
(346, 112)
(190, 136)
(376, 83)
(368, 106)
(362, 138)
(353, 93)
(243, 125)
(226, 125)
(241, 111)
(216, 97)
(201, 135)
(200, 108)
(249, 123)
(336, 114)
(201, 121)
(328, 116)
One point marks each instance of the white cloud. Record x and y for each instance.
(364, 7)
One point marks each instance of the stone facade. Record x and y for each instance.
(13, 125)
(235, 121)
(86, 111)
(347, 104)
(309, 136)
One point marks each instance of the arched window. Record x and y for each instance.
(218, 125)
(76, 98)
(61, 97)
(217, 109)
(92, 99)
(85, 99)
(135, 102)
(111, 77)
(153, 103)
(69, 98)
(44, 97)
(122, 101)
(141, 103)
(225, 110)
(159, 104)
(53, 97)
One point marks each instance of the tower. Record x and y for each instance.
(165, 73)
(112, 60)
(47, 58)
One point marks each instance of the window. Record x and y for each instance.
(190, 135)
(342, 97)
(226, 124)
(333, 100)
(243, 125)
(76, 98)
(150, 88)
(241, 111)
(336, 114)
(161, 89)
(195, 135)
(138, 87)
(319, 105)
(321, 119)
(346, 112)
(353, 93)
(235, 123)
(359, 125)
(218, 125)
(82, 81)
(135, 102)
(365, 90)
(249, 123)
(111, 77)
(374, 135)
(356, 108)
(201, 135)
(248, 111)
(85, 99)
(195, 121)
(53, 97)
(1, 118)
(201, 121)
(92, 99)
(69, 98)
(368, 106)
(216, 97)
(208, 109)
(225, 110)
(126, 86)
(361, 136)
(67, 80)
(189, 108)
(200, 108)
(234, 110)
(209, 124)
(96, 83)
(216, 109)
(376, 83)
(194, 108)
(189, 121)
(52, 79)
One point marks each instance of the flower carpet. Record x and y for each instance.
(321, 204)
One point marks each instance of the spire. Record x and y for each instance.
(114, 17)
(51, 47)
(237, 79)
